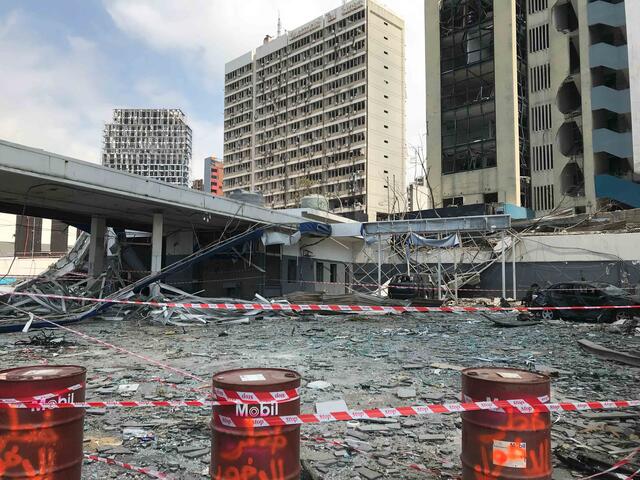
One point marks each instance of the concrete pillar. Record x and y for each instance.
(96, 247)
(156, 243)
(28, 236)
(59, 237)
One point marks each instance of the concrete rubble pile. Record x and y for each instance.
(360, 361)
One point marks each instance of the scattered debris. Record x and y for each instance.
(331, 406)
(609, 354)
(319, 385)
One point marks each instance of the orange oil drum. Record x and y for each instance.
(506, 444)
(42, 443)
(262, 452)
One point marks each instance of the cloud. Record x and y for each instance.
(57, 97)
(52, 95)
(207, 34)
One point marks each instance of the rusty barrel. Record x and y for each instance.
(505, 444)
(40, 442)
(262, 452)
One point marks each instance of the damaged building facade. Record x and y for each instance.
(531, 104)
(321, 110)
(155, 143)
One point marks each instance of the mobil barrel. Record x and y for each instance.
(242, 451)
(42, 442)
(505, 444)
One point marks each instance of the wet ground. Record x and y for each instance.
(369, 361)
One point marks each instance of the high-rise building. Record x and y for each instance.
(320, 110)
(213, 175)
(529, 103)
(155, 143)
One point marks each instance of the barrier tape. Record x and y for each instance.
(127, 466)
(291, 307)
(259, 397)
(44, 397)
(521, 405)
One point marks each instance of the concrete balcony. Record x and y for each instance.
(605, 55)
(606, 13)
(605, 98)
(614, 143)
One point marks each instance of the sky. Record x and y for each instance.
(66, 64)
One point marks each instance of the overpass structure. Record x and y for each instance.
(38, 183)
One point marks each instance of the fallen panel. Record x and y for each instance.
(608, 354)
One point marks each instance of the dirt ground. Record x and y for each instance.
(369, 361)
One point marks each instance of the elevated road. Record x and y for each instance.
(44, 184)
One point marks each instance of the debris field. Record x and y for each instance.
(361, 361)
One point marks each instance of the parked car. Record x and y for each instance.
(408, 287)
(570, 294)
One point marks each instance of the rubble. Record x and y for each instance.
(366, 362)
(609, 354)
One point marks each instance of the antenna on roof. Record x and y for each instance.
(279, 24)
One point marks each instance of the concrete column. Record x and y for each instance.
(156, 243)
(59, 236)
(96, 247)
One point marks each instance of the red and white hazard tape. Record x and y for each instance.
(256, 397)
(127, 466)
(522, 406)
(42, 398)
(286, 307)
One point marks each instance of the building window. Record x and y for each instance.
(452, 202)
(319, 272)
(541, 118)
(490, 197)
(333, 272)
(540, 77)
(543, 197)
(539, 38)
(542, 157)
(537, 5)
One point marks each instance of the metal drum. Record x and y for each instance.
(42, 443)
(505, 445)
(264, 452)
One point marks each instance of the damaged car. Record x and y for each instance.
(584, 294)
